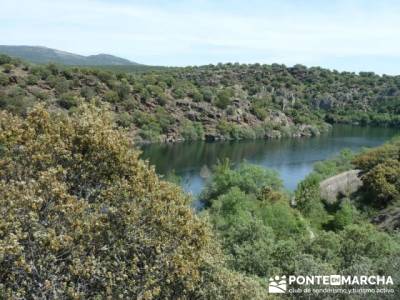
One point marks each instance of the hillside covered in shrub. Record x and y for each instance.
(215, 102)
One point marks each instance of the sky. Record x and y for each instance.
(346, 35)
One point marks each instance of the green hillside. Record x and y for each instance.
(215, 102)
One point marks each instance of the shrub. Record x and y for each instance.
(18, 104)
(7, 68)
(87, 92)
(68, 100)
(150, 132)
(382, 183)
(191, 131)
(162, 99)
(346, 215)
(124, 120)
(32, 79)
(223, 99)
(111, 97)
(41, 71)
(123, 90)
(39, 93)
(62, 86)
(309, 201)
(197, 96)
(208, 94)
(164, 119)
(248, 178)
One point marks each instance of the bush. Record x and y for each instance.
(111, 97)
(68, 100)
(32, 79)
(39, 93)
(248, 178)
(346, 215)
(7, 68)
(309, 202)
(223, 99)
(123, 90)
(164, 119)
(208, 94)
(87, 92)
(41, 71)
(191, 131)
(150, 132)
(382, 184)
(62, 86)
(124, 120)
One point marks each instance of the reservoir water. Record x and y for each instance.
(292, 158)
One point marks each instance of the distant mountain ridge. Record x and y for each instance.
(43, 55)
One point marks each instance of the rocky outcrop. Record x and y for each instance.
(344, 184)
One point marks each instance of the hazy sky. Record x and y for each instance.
(343, 34)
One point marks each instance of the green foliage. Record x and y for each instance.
(365, 241)
(309, 201)
(123, 90)
(263, 235)
(32, 79)
(7, 68)
(87, 92)
(224, 98)
(111, 97)
(68, 100)
(381, 168)
(335, 165)
(192, 131)
(248, 178)
(250, 228)
(207, 93)
(163, 118)
(16, 101)
(236, 132)
(62, 86)
(382, 183)
(346, 215)
(124, 120)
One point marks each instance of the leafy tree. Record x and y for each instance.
(248, 178)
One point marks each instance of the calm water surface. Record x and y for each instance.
(292, 158)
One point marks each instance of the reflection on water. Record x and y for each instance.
(292, 158)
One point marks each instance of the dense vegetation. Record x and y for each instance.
(229, 101)
(81, 217)
(264, 235)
